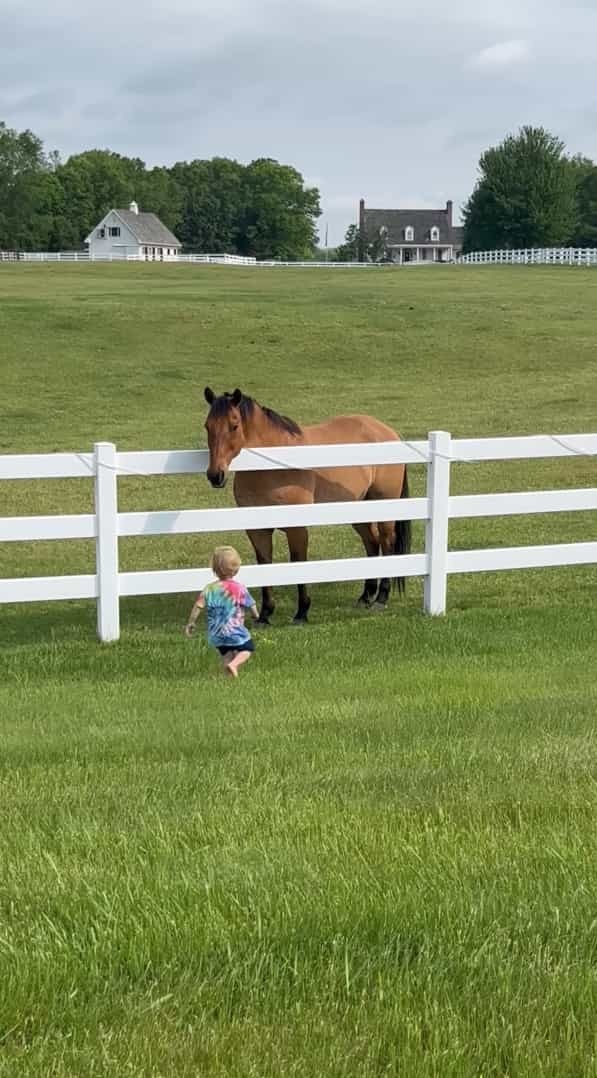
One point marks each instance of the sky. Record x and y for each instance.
(381, 99)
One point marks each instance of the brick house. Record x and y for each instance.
(411, 235)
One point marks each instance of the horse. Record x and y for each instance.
(236, 421)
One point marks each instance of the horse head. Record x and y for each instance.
(225, 434)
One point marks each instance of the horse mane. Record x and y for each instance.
(222, 405)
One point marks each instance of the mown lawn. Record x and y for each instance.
(374, 855)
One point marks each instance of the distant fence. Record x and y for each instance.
(200, 259)
(106, 524)
(550, 256)
(116, 256)
(540, 256)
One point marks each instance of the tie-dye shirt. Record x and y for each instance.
(225, 602)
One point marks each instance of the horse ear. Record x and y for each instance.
(209, 395)
(237, 397)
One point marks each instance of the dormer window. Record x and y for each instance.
(434, 234)
(409, 234)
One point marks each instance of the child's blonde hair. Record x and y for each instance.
(225, 562)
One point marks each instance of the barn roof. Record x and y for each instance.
(147, 228)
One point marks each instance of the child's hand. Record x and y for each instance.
(189, 629)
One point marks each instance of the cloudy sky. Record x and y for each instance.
(385, 99)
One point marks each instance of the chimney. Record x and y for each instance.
(361, 251)
(449, 208)
(134, 207)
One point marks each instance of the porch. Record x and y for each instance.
(431, 252)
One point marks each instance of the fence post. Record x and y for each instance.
(106, 544)
(436, 529)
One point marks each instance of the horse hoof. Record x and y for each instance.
(300, 621)
(262, 623)
(362, 603)
(377, 607)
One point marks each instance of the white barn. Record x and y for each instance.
(128, 232)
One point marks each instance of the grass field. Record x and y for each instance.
(376, 855)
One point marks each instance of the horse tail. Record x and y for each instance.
(403, 535)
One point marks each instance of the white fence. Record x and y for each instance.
(546, 256)
(550, 256)
(117, 256)
(204, 259)
(438, 452)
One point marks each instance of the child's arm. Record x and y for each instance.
(250, 605)
(196, 609)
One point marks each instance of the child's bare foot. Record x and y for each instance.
(227, 659)
(239, 658)
(231, 670)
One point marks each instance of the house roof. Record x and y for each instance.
(421, 221)
(147, 228)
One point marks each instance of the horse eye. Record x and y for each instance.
(234, 427)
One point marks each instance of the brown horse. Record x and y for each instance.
(237, 422)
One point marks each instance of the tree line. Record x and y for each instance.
(262, 209)
(529, 193)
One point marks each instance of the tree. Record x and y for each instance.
(159, 192)
(28, 192)
(585, 175)
(362, 246)
(349, 250)
(279, 214)
(525, 195)
(212, 198)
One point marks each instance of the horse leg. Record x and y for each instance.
(298, 544)
(263, 544)
(370, 540)
(387, 538)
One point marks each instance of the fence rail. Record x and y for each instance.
(106, 524)
(544, 256)
(123, 256)
(196, 259)
(550, 256)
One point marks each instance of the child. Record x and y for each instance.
(226, 601)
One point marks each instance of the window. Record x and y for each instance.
(114, 231)
(101, 233)
(434, 234)
(409, 234)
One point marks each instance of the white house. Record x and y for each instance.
(128, 232)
